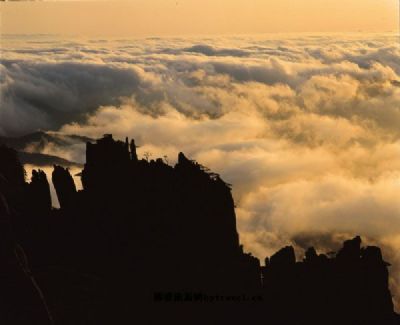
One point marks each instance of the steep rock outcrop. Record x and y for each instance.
(64, 186)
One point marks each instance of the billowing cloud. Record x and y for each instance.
(306, 129)
(48, 95)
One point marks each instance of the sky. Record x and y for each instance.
(196, 17)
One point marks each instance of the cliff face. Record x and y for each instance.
(20, 300)
(178, 216)
(142, 233)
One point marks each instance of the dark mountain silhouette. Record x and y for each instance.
(352, 288)
(148, 243)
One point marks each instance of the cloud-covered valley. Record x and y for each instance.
(305, 127)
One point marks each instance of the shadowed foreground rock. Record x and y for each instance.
(148, 243)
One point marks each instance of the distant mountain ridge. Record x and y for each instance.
(30, 147)
(43, 160)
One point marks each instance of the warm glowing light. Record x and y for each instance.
(171, 17)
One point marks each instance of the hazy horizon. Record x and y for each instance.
(191, 17)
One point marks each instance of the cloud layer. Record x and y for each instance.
(306, 128)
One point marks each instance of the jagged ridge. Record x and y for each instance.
(142, 229)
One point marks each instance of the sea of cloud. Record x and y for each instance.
(305, 127)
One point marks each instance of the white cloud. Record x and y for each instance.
(306, 129)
